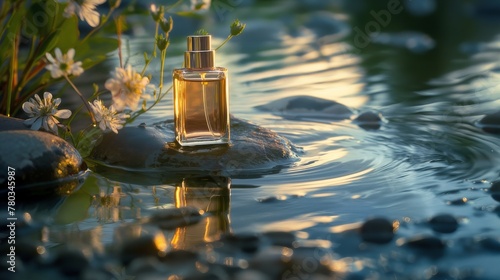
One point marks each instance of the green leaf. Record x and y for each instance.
(70, 33)
(12, 28)
(47, 45)
(95, 50)
(96, 46)
(40, 19)
(88, 142)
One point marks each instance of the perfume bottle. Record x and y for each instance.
(201, 99)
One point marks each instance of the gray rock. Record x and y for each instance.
(71, 261)
(9, 123)
(443, 223)
(253, 150)
(280, 238)
(377, 230)
(39, 158)
(141, 247)
(426, 245)
(369, 120)
(307, 107)
(495, 190)
(490, 123)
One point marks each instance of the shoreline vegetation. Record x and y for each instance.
(49, 49)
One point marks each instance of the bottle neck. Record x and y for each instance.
(199, 59)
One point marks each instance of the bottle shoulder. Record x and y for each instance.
(194, 70)
(213, 73)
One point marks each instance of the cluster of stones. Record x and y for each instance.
(268, 255)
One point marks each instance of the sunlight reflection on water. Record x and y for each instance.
(427, 157)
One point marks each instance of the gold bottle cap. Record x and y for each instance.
(199, 53)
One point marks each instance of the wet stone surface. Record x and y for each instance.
(377, 230)
(495, 190)
(490, 123)
(443, 223)
(307, 107)
(430, 246)
(369, 120)
(9, 124)
(252, 149)
(148, 251)
(311, 108)
(40, 158)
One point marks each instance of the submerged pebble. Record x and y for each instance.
(180, 256)
(280, 238)
(426, 245)
(307, 107)
(497, 210)
(369, 120)
(495, 190)
(71, 261)
(273, 198)
(143, 246)
(443, 223)
(491, 244)
(377, 230)
(490, 123)
(458, 201)
(244, 242)
(145, 265)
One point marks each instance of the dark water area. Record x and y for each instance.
(430, 68)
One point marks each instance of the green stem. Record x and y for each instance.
(71, 135)
(156, 35)
(70, 120)
(12, 73)
(138, 113)
(162, 67)
(101, 24)
(5, 12)
(83, 99)
(148, 61)
(225, 41)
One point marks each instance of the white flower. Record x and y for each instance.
(108, 119)
(85, 10)
(43, 113)
(63, 65)
(127, 87)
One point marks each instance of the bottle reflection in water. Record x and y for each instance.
(210, 194)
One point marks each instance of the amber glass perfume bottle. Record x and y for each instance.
(201, 99)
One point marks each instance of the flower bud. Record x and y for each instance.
(162, 42)
(201, 32)
(166, 24)
(157, 13)
(237, 27)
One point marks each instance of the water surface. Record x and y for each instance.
(431, 76)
